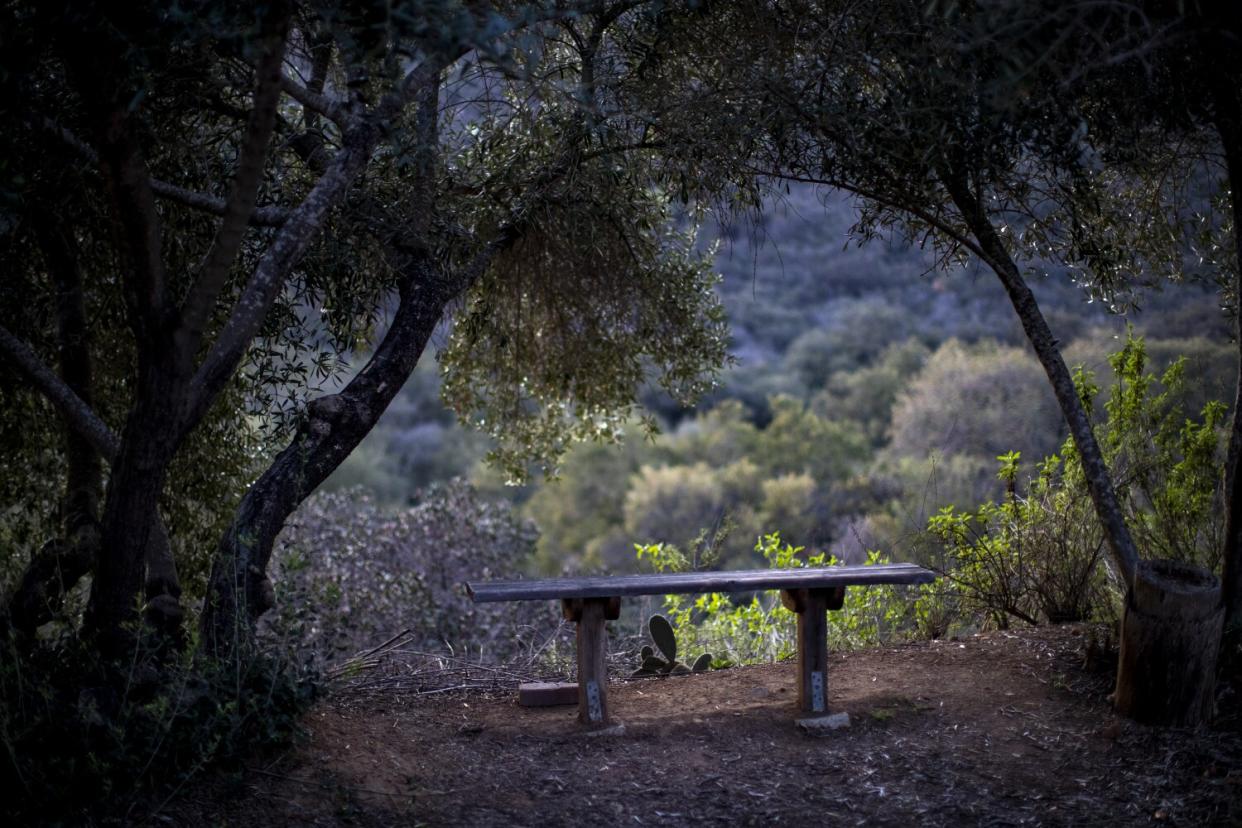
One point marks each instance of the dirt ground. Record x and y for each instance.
(1006, 728)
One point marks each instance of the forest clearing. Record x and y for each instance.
(746, 365)
(995, 729)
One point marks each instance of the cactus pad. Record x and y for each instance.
(662, 635)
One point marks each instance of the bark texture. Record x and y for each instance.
(60, 564)
(1170, 638)
(1229, 125)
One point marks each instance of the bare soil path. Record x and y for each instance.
(1007, 728)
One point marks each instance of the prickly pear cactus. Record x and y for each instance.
(664, 637)
(666, 640)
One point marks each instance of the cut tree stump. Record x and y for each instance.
(1170, 639)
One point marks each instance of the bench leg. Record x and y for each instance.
(811, 606)
(590, 614)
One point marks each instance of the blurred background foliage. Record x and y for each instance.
(870, 392)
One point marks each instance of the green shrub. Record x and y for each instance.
(1038, 557)
(760, 629)
(1030, 558)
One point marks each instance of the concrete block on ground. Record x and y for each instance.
(547, 693)
(823, 724)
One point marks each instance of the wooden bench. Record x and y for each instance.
(809, 593)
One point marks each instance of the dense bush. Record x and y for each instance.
(86, 745)
(351, 573)
(1032, 559)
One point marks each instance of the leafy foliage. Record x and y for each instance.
(738, 631)
(79, 748)
(564, 361)
(1039, 556)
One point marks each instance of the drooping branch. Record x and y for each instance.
(213, 273)
(76, 412)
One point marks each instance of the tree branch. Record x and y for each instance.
(291, 242)
(1095, 470)
(128, 181)
(324, 104)
(259, 217)
(241, 202)
(360, 139)
(83, 472)
(80, 416)
(913, 209)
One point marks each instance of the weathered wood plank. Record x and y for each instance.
(690, 582)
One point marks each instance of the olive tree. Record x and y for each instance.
(258, 189)
(963, 127)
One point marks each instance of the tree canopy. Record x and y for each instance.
(220, 209)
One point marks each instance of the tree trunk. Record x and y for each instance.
(238, 591)
(1171, 631)
(1229, 125)
(1170, 638)
(60, 564)
(131, 530)
(1095, 470)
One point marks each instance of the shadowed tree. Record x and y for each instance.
(959, 128)
(253, 187)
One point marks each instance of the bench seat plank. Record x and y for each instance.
(747, 580)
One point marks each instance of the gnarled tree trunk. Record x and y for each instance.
(238, 590)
